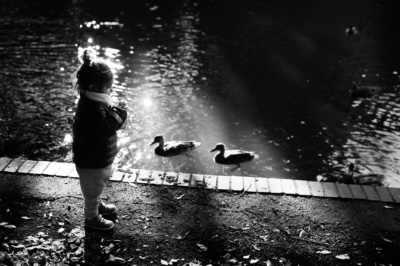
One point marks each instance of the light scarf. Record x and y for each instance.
(99, 97)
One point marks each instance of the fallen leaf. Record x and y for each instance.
(163, 262)
(246, 257)
(5, 247)
(172, 261)
(61, 230)
(132, 184)
(285, 262)
(254, 261)
(388, 207)
(184, 236)
(324, 252)
(10, 226)
(3, 224)
(227, 256)
(387, 240)
(114, 261)
(25, 218)
(343, 257)
(202, 247)
(178, 198)
(246, 227)
(302, 233)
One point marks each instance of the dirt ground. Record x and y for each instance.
(41, 221)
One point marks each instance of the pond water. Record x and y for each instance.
(267, 76)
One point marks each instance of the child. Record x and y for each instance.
(94, 137)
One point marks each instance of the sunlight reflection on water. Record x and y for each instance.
(166, 94)
(193, 71)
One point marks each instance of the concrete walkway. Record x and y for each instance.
(224, 183)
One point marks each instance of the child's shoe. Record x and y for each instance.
(107, 209)
(99, 223)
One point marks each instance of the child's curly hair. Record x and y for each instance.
(93, 71)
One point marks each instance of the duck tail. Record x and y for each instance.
(255, 156)
(196, 143)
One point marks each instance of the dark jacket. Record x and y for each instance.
(94, 133)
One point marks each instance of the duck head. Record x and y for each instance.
(157, 139)
(219, 147)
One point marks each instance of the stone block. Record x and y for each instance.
(236, 183)
(344, 191)
(357, 192)
(262, 185)
(371, 193)
(170, 178)
(144, 176)
(4, 161)
(65, 169)
(384, 194)
(52, 168)
(183, 180)
(197, 181)
(316, 189)
(330, 190)
(249, 184)
(302, 188)
(395, 193)
(210, 181)
(39, 168)
(223, 182)
(14, 165)
(288, 186)
(27, 166)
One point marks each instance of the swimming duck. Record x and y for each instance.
(173, 148)
(361, 91)
(366, 179)
(232, 156)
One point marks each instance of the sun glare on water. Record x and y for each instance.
(147, 102)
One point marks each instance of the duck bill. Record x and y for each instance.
(213, 150)
(152, 143)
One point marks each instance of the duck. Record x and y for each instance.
(366, 179)
(362, 91)
(232, 157)
(173, 148)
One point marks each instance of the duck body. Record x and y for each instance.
(358, 91)
(364, 179)
(371, 179)
(232, 157)
(173, 148)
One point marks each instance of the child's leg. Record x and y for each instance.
(92, 182)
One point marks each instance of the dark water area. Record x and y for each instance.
(267, 76)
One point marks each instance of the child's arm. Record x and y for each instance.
(113, 119)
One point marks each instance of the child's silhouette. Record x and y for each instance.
(94, 137)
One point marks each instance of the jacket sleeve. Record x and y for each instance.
(113, 118)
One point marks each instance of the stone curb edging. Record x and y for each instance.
(224, 183)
